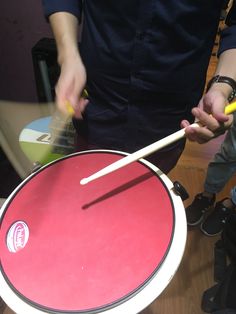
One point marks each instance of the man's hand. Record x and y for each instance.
(72, 79)
(70, 86)
(210, 115)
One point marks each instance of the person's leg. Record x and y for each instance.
(233, 196)
(219, 171)
(223, 166)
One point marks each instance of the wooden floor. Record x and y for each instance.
(195, 274)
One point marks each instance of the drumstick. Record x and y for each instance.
(147, 150)
(59, 121)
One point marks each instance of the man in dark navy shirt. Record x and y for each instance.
(144, 66)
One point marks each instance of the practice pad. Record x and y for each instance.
(68, 248)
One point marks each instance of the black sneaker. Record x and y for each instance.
(195, 212)
(214, 223)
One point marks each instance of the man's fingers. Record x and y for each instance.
(211, 122)
(83, 103)
(80, 107)
(184, 124)
(205, 119)
(200, 135)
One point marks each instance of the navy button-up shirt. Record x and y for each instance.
(146, 61)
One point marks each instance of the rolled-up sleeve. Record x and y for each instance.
(72, 6)
(228, 35)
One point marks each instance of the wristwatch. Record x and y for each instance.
(224, 79)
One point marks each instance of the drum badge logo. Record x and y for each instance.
(17, 236)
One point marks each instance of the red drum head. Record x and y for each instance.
(70, 248)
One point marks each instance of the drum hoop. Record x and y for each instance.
(108, 308)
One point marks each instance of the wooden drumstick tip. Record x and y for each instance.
(84, 181)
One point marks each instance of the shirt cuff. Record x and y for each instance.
(71, 6)
(228, 39)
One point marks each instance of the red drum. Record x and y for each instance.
(110, 246)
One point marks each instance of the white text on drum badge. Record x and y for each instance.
(17, 236)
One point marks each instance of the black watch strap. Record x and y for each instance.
(224, 79)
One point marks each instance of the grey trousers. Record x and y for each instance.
(223, 166)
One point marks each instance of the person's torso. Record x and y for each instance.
(132, 47)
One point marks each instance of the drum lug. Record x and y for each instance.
(180, 190)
